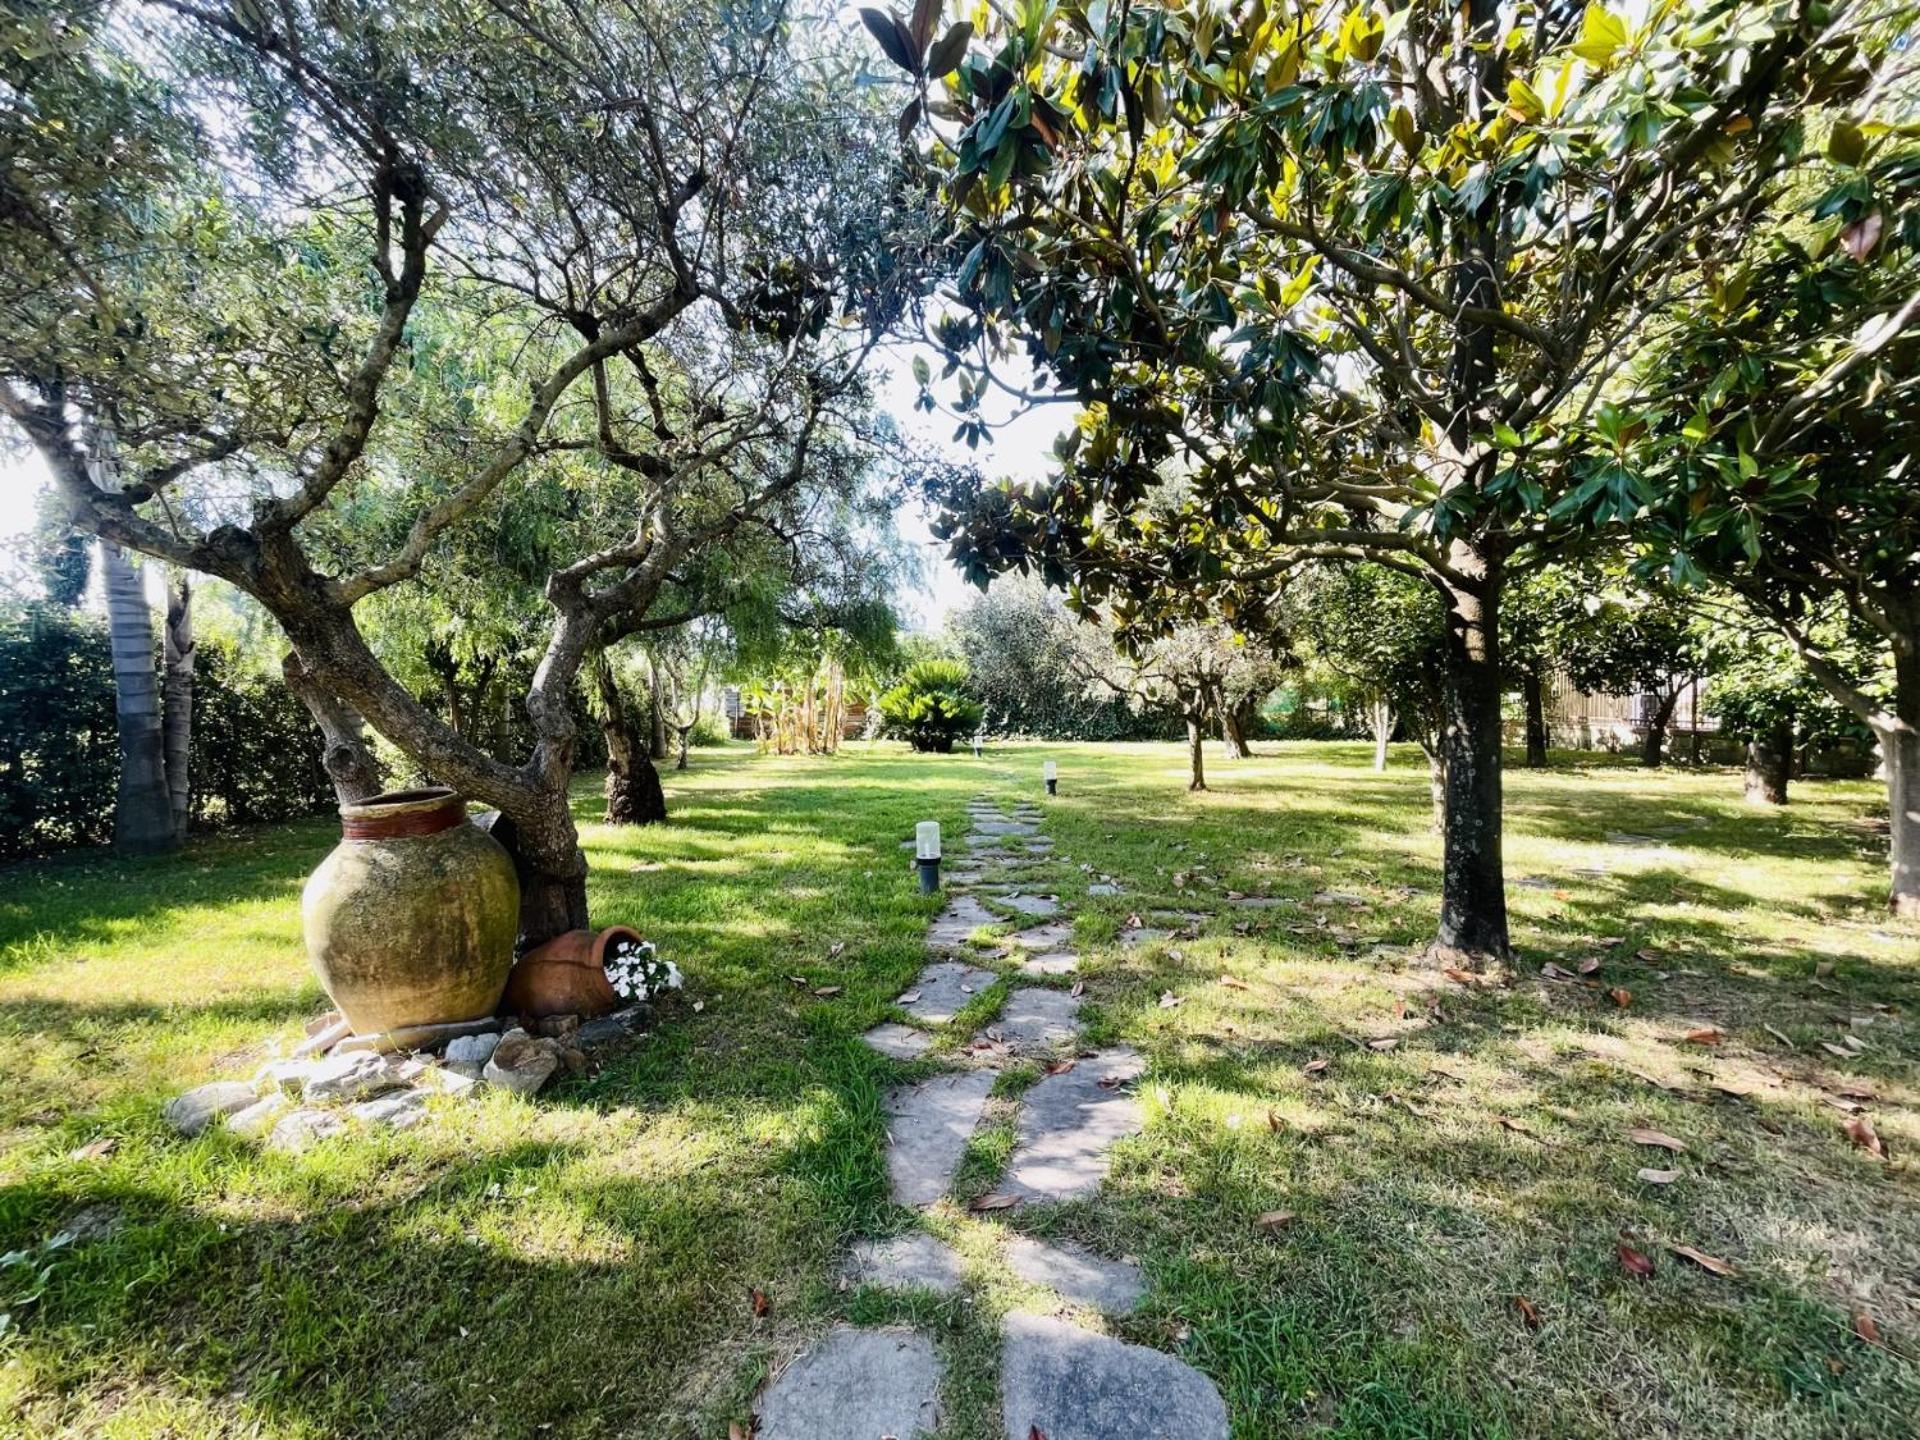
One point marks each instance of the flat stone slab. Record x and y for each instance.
(1036, 1019)
(855, 1385)
(1039, 845)
(1044, 937)
(1077, 1275)
(1144, 935)
(1040, 907)
(996, 826)
(914, 1261)
(943, 990)
(1069, 1123)
(1066, 1383)
(928, 1126)
(1102, 887)
(902, 1042)
(1050, 962)
(961, 918)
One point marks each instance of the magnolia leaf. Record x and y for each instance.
(1846, 144)
(926, 15)
(885, 27)
(1632, 1261)
(1704, 1261)
(1640, 1135)
(1659, 1177)
(1274, 1220)
(949, 50)
(1601, 36)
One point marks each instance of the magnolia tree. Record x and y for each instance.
(433, 258)
(1367, 278)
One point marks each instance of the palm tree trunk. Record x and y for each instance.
(143, 810)
(178, 725)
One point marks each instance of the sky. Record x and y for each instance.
(1021, 447)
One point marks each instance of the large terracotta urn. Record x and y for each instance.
(411, 920)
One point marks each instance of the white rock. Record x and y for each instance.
(260, 1117)
(351, 1076)
(192, 1112)
(443, 1080)
(522, 1064)
(298, 1129)
(399, 1111)
(288, 1075)
(473, 1050)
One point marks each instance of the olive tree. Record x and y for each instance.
(431, 256)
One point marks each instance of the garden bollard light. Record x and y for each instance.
(1051, 773)
(979, 747)
(926, 852)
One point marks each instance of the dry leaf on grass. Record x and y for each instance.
(998, 1200)
(1640, 1135)
(94, 1149)
(1778, 1036)
(734, 1432)
(1861, 1132)
(1168, 1000)
(761, 1305)
(1706, 1035)
(1620, 996)
(836, 949)
(1234, 982)
(1823, 969)
(1274, 1122)
(1274, 1220)
(1314, 1067)
(1589, 965)
(1632, 1261)
(1383, 1042)
(1705, 1262)
(826, 992)
(1507, 1122)
(1864, 1327)
(1529, 1312)
(1659, 1177)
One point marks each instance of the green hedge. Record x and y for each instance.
(256, 753)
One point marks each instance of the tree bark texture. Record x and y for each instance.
(1534, 692)
(1659, 705)
(634, 793)
(344, 752)
(143, 808)
(1382, 715)
(1473, 902)
(1770, 765)
(1196, 759)
(656, 712)
(1236, 721)
(177, 733)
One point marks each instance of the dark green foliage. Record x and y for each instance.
(930, 707)
(256, 754)
(59, 754)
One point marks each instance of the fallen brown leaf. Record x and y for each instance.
(1659, 1177)
(1274, 1220)
(94, 1149)
(1529, 1312)
(1704, 1261)
(1864, 1327)
(1383, 1042)
(1632, 1261)
(1640, 1135)
(1507, 1122)
(1620, 996)
(734, 1432)
(1589, 965)
(761, 1305)
(827, 991)
(1079, 988)
(1861, 1132)
(1778, 1036)
(1707, 1035)
(1234, 982)
(1314, 1067)
(1168, 1000)
(998, 1200)
(1274, 1122)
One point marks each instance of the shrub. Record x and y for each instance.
(930, 707)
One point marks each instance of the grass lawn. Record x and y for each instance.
(582, 1264)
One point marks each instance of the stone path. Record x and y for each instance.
(1058, 1379)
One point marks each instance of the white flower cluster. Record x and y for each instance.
(637, 972)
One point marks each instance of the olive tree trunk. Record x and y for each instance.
(348, 760)
(1196, 757)
(1534, 692)
(1660, 705)
(634, 793)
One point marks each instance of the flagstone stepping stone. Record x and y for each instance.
(1101, 887)
(944, 989)
(1039, 845)
(1044, 937)
(914, 1261)
(1261, 902)
(1040, 907)
(1036, 1019)
(902, 1042)
(1050, 962)
(855, 1385)
(1069, 1123)
(1077, 1275)
(928, 1126)
(1144, 935)
(961, 918)
(1066, 1383)
(997, 826)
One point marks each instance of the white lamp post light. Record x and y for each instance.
(1050, 772)
(926, 854)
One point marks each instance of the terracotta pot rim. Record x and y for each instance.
(399, 813)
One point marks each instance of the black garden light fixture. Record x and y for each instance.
(926, 854)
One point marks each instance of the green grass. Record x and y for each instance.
(581, 1265)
